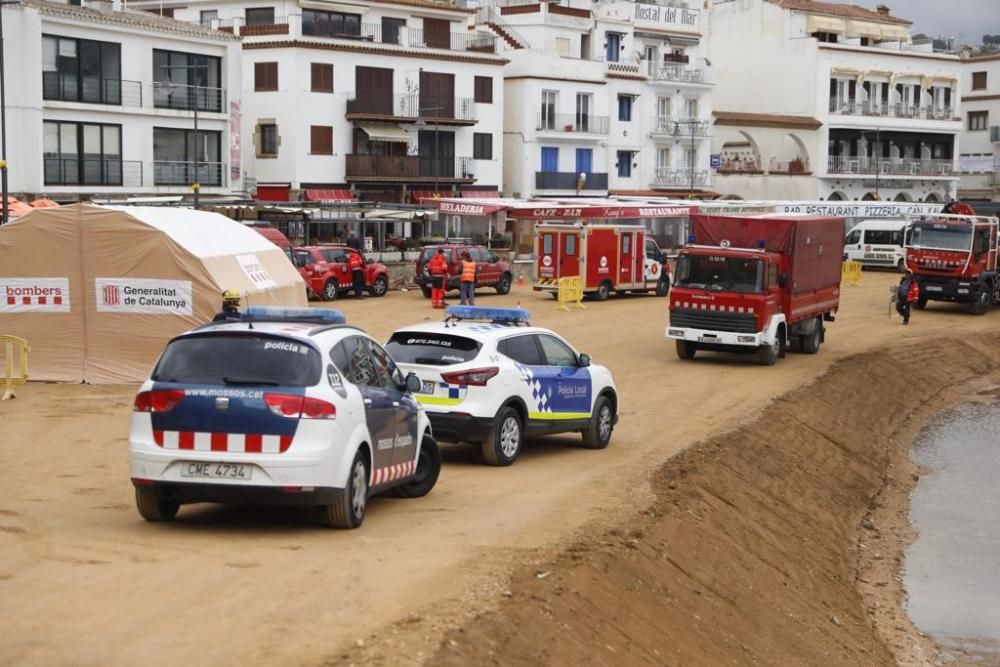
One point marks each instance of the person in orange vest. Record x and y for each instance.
(356, 265)
(907, 292)
(467, 286)
(438, 268)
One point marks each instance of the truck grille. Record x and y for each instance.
(713, 321)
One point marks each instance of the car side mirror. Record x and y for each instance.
(783, 280)
(413, 383)
(584, 360)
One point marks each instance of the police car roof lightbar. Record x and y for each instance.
(303, 315)
(488, 313)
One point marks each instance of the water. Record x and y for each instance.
(952, 571)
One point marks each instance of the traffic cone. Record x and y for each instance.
(520, 280)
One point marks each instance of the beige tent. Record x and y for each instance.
(98, 291)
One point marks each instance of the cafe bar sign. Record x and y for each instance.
(666, 17)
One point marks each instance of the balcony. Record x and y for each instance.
(623, 67)
(681, 127)
(673, 72)
(93, 172)
(409, 168)
(876, 109)
(410, 108)
(572, 123)
(566, 180)
(794, 167)
(683, 178)
(167, 172)
(890, 166)
(480, 42)
(60, 87)
(186, 98)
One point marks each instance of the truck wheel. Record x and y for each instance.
(348, 511)
(603, 291)
(602, 423)
(686, 349)
(901, 266)
(426, 474)
(503, 445)
(427, 291)
(662, 288)
(768, 355)
(920, 303)
(329, 290)
(153, 508)
(982, 303)
(810, 344)
(503, 285)
(380, 286)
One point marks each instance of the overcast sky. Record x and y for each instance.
(948, 18)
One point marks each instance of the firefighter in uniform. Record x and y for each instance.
(437, 267)
(907, 292)
(356, 265)
(230, 306)
(467, 286)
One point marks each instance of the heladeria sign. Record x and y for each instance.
(35, 295)
(150, 296)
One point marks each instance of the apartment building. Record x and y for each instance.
(611, 97)
(980, 157)
(382, 98)
(102, 101)
(831, 101)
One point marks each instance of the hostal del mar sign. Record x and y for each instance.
(666, 16)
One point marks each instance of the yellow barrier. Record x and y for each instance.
(851, 271)
(570, 291)
(8, 380)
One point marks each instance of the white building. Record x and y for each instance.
(980, 158)
(102, 101)
(619, 92)
(817, 100)
(385, 97)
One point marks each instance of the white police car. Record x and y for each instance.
(285, 406)
(489, 378)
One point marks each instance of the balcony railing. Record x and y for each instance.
(683, 127)
(92, 171)
(278, 26)
(455, 41)
(90, 89)
(876, 108)
(565, 122)
(683, 177)
(659, 71)
(890, 166)
(167, 172)
(567, 180)
(409, 167)
(623, 67)
(740, 166)
(396, 106)
(794, 167)
(173, 96)
(682, 58)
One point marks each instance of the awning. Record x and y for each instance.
(844, 71)
(384, 132)
(895, 33)
(332, 196)
(825, 24)
(427, 196)
(470, 207)
(272, 192)
(480, 194)
(864, 29)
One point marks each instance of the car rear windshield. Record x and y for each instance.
(239, 360)
(435, 349)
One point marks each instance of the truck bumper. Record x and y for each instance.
(948, 289)
(718, 339)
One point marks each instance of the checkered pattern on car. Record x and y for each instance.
(538, 395)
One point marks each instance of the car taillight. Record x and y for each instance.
(158, 400)
(300, 407)
(477, 377)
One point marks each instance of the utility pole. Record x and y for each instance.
(168, 85)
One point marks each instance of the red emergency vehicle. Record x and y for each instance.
(755, 284)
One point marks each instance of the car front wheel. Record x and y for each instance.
(426, 473)
(503, 285)
(601, 425)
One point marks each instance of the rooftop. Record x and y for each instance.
(138, 20)
(840, 10)
(766, 120)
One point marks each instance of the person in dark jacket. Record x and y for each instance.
(230, 306)
(353, 242)
(907, 292)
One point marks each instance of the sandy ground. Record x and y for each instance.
(84, 581)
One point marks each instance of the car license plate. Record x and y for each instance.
(240, 471)
(427, 387)
(933, 288)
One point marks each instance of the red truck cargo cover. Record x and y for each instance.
(815, 244)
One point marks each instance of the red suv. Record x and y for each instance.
(491, 271)
(325, 270)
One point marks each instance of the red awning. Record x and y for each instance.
(460, 207)
(427, 196)
(273, 192)
(330, 196)
(480, 194)
(537, 211)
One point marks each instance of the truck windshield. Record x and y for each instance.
(720, 274)
(940, 236)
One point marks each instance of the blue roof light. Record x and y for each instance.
(489, 314)
(304, 315)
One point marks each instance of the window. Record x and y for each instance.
(691, 107)
(583, 104)
(547, 119)
(978, 120)
(182, 80)
(627, 244)
(210, 359)
(569, 246)
(317, 23)
(484, 89)
(884, 237)
(391, 30)
(321, 140)
(335, 255)
(82, 153)
(174, 154)
(979, 80)
(547, 244)
(613, 43)
(437, 33)
(385, 368)
(690, 158)
(522, 349)
(267, 145)
(854, 237)
(81, 70)
(550, 158)
(355, 354)
(322, 78)
(556, 352)
(625, 164)
(482, 146)
(584, 160)
(662, 112)
(209, 15)
(265, 77)
(437, 349)
(830, 37)
(625, 107)
(662, 160)
(260, 16)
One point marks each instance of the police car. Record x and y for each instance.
(284, 406)
(489, 378)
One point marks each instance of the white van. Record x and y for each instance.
(876, 243)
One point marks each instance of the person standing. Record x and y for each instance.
(353, 242)
(230, 306)
(356, 265)
(437, 267)
(467, 286)
(907, 292)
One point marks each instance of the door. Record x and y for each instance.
(852, 246)
(569, 254)
(564, 388)
(353, 357)
(404, 407)
(488, 271)
(336, 259)
(437, 33)
(550, 159)
(583, 104)
(437, 153)
(547, 120)
(437, 94)
(613, 49)
(601, 257)
(626, 272)
(374, 90)
(584, 160)
(548, 254)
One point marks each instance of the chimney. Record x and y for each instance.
(883, 10)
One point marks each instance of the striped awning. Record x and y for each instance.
(815, 23)
(329, 195)
(385, 132)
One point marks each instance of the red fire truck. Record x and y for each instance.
(608, 257)
(755, 284)
(954, 258)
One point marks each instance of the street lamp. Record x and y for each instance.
(168, 86)
(4, 209)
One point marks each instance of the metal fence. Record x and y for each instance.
(62, 87)
(166, 172)
(564, 122)
(92, 171)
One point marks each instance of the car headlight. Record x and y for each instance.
(675, 332)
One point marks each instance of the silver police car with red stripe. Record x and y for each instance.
(283, 406)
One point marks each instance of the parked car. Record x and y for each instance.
(325, 270)
(491, 271)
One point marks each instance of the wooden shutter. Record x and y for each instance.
(437, 33)
(484, 89)
(321, 140)
(265, 76)
(374, 89)
(979, 80)
(437, 94)
(322, 78)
